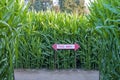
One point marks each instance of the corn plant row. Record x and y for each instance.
(46, 28)
(105, 21)
(11, 16)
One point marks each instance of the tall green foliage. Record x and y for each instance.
(105, 22)
(46, 29)
(11, 15)
(30, 36)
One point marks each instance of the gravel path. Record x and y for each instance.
(56, 75)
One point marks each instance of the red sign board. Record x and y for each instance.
(65, 46)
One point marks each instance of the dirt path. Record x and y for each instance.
(56, 75)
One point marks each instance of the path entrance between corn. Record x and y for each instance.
(28, 74)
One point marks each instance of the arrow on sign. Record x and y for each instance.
(65, 46)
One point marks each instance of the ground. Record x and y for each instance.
(56, 75)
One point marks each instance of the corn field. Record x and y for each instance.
(36, 40)
(26, 39)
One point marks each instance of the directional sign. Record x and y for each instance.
(65, 46)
